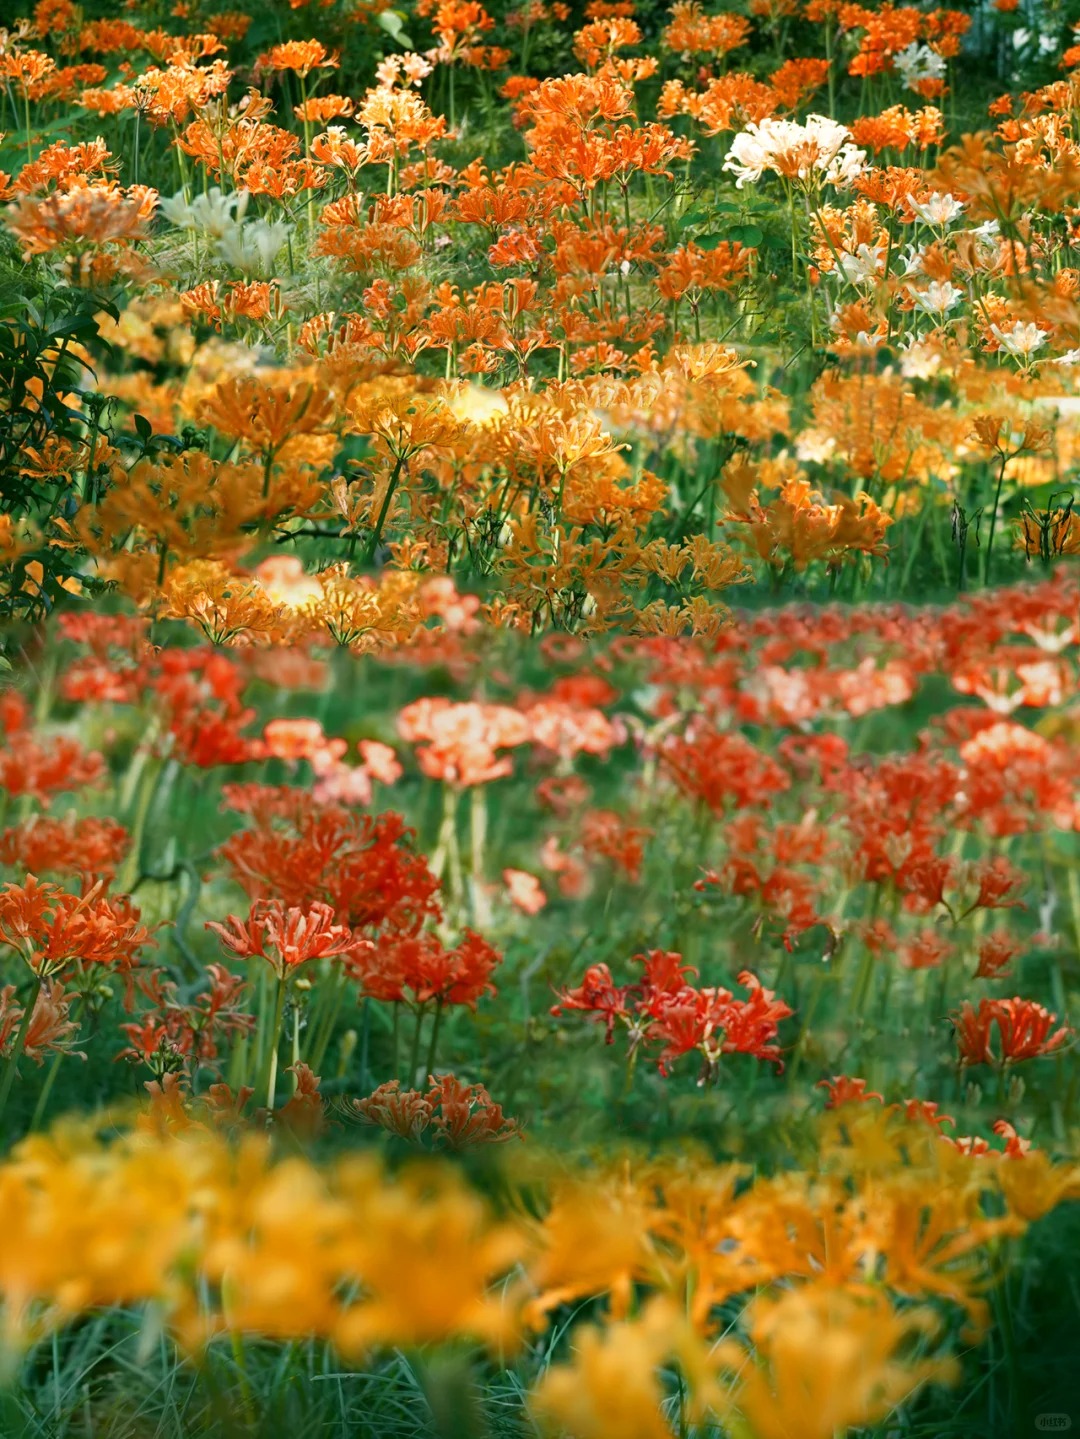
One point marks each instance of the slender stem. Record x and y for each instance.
(262, 1029)
(279, 1014)
(331, 996)
(456, 878)
(11, 1063)
(993, 521)
(307, 154)
(794, 241)
(26, 106)
(50, 1078)
(365, 1043)
(441, 852)
(376, 534)
(236, 1344)
(916, 542)
(429, 1064)
(46, 1090)
(268, 467)
(414, 1053)
(131, 867)
(863, 982)
(477, 836)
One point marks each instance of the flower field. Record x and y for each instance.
(539, 734)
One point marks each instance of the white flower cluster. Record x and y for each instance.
(938, 210)
(917, 64)
(819, 152)
(211, 214)
(1021, 339)
(251, 247)
(864, 266)
(938, 298)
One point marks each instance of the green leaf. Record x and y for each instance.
(78, 324)
(393, 24)
(747, 235)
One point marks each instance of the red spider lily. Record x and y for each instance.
(997, 880)
(204, 738)
(287, 937)
(924, 1111)
(49, 1028)
(524, 891)
(928, 949)
(599, 994)
(455, 1114)
(562, 794)
(87, 847)
(41, 770)
(846, 1089)
(895, 813)
(303, 1114)
(225, 1108)
(1017, 780)
(1015, 1147)
(466, 1115)
(404, 1112)
(463, 739)
(616, 838)
(1013, 677)
(14, 713)
(926, 881)
(564, 728)
(421, 969)
(663, 1009)
(786, 895)
(682, 1021)
(197, 692)
(174, 1031)
(665, 971)
(1023, 1028)
(976, 1146)
(722, 769)
(173, 1107)
(750, 1025)
(51, 928)
(297, 739)
(996, 951)
(361, 865)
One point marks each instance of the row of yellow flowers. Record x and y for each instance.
(843, 1270)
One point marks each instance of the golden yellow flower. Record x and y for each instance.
(824, 1359)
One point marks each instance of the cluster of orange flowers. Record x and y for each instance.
(546, 487)
(384, 456)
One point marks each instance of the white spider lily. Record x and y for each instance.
(939, 297)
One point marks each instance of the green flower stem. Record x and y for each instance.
(11, 1063)
(414, 1053)
(429, 1064)
(275, 1044)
